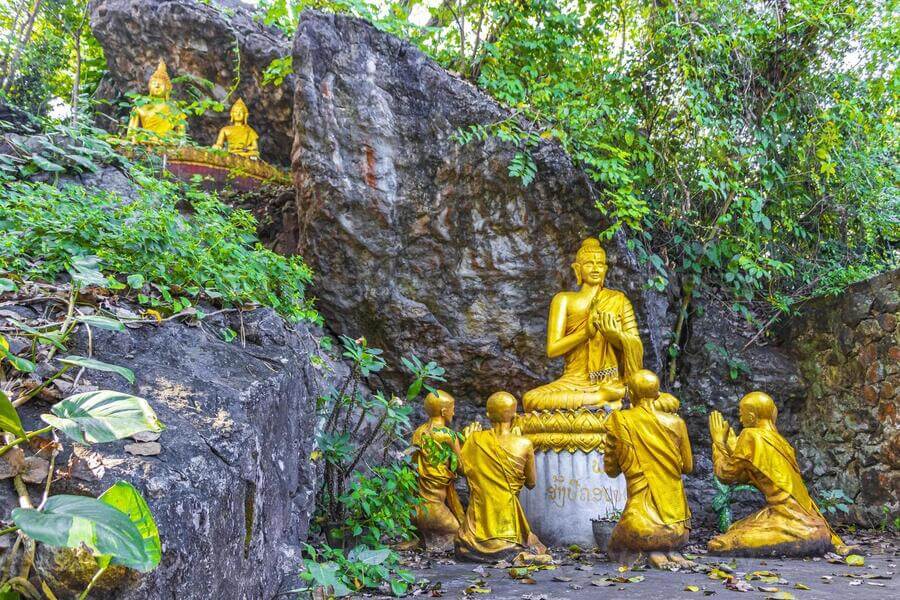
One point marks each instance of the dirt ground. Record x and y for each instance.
(588, 575)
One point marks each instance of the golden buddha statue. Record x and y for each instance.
(595, 330)
(497, 463)
(790, 524)
(157, 120)
(238, 137)
(650, 446)
(440, 511)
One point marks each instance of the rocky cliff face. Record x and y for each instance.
(426, 246)
(848, 352)
(215, 41)
(232, 487)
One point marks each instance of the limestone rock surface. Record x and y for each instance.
(421, 244)
(218, 41)
(232, 487)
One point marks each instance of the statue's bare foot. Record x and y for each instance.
(659, 560)
(681, 561)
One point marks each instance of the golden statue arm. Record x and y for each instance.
(220, 140)
(558, 343)
(687, 457)
(530, 471)
(134, 124)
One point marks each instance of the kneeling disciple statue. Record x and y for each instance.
(238, 137)
(790, 524)
(497, 463)
(650, 446)
(440, 511)
(158, 120)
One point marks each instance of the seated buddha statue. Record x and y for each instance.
(595, 330)
(439, 512)
(497, 462)
(238, 137)
(790, 524)
(648, 444)
(157, 120)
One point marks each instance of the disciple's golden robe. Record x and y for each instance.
(596, 364)
(440, 512)
(647, 449)
(790, 523)
(494, 524)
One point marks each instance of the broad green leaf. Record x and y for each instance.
(7, 285)
(102, 416)
(85, 271)
(70, 521)
(97, 365)
(51, 336)
(124, 497)
(7, 593)
(101, 322)
(136, 281)
(20, 364)
(9, 417)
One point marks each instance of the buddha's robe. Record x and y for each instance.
(494, 526)
(156, 121)
(652, 451)
(594, 371)
(790, 523)
(440, 512)
(240, 139)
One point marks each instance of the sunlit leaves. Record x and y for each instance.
(102, 416)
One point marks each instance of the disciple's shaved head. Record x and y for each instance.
(760, 404)
(643, 385)
(436, 403)
(501, 407)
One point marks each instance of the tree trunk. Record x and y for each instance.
(26, 37)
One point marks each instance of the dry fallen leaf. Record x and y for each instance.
(801, 586)
(855, 560)
(12, 463)
(691, 588)
(36, 470)
(146, 436)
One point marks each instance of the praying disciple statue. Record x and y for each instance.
(238, 137)
(595, 330)
(497, 462)
(440, 511)
(649, 445)
(790, 524)
(157, 120)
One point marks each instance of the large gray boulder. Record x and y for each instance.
(219, 42)
(424, 245)
(233, 487)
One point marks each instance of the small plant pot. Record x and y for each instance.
(603, 529)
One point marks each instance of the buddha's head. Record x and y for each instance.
(590, 263)
(239, 113)
(160, 84)
(643, 386)
(757, 409)
(501, 407)
(440, 404)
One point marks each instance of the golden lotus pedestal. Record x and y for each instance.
(216, 169)
(572, 487)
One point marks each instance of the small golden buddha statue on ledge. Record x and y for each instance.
(790, 524)
(497, 462)
(648, 444)
(440, 511)
(158, 120)
(595, 330)
(238, 137)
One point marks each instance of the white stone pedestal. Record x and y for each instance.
(571, 490)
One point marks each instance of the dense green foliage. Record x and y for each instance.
(47, 53)
(167, 245)
(750, 148)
